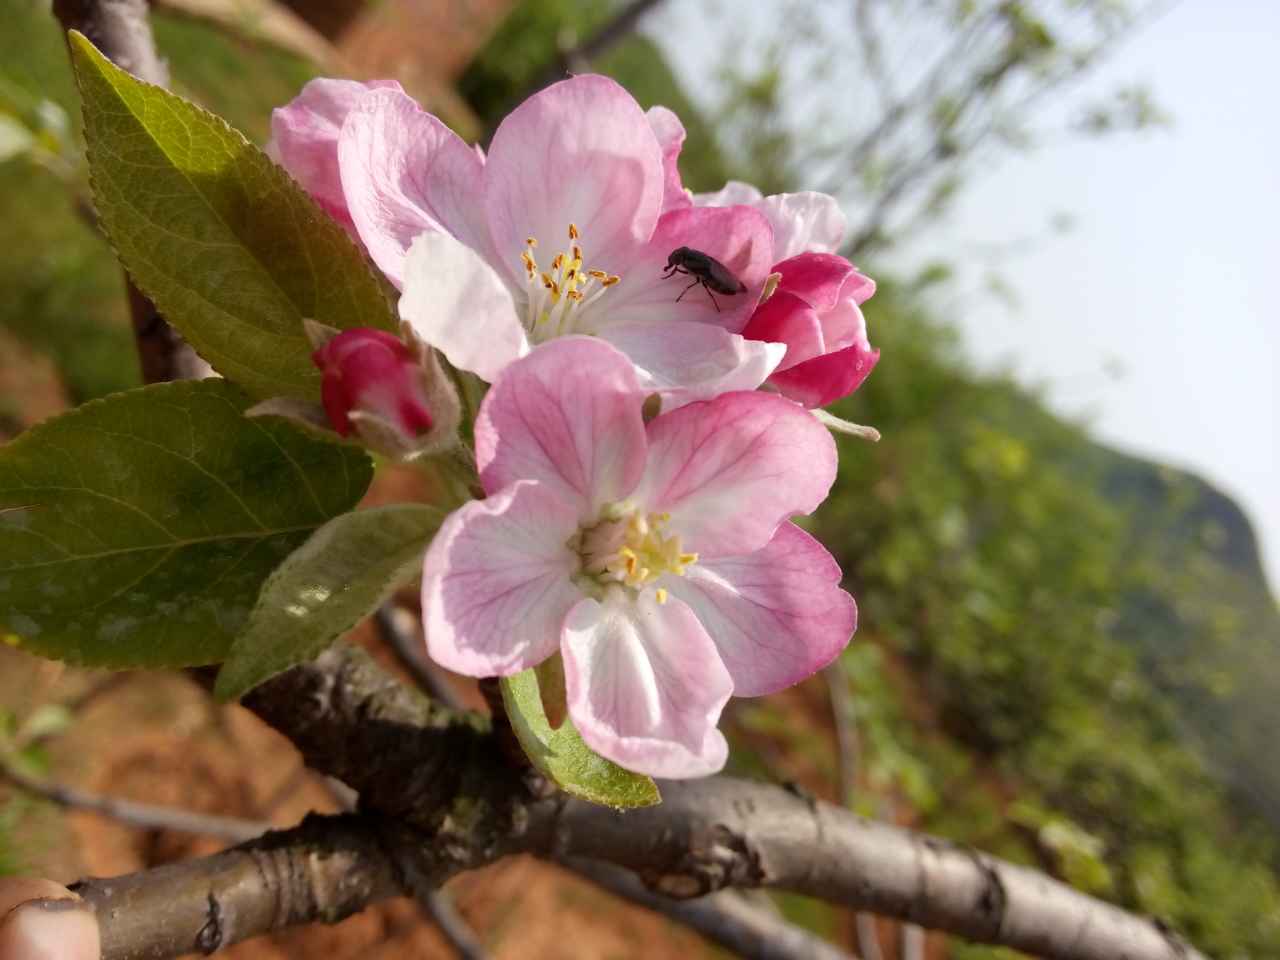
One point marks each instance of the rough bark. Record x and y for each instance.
(324, 870)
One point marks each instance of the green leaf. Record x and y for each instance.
(561, 755)
(327, 586)
(231, 250)
(137, 530)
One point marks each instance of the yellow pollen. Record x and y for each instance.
(570, 289)
(660, 595)
(634, 551)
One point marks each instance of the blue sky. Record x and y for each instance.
(1171, 272)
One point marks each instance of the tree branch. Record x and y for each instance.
(725, 918)
(441, 772)
(720, 832)
(324, 870)
(144, 815)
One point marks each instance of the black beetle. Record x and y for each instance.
(706, 270)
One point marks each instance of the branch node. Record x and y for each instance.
(210, 936)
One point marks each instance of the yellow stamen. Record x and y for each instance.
(573, 231)
(660, 595)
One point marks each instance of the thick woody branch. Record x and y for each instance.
(716, 833)
(324, 870)
(725, 918)
(439, 771)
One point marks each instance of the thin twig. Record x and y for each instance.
(438, 905)
(725, 918)
(399, 630)
(143, 815)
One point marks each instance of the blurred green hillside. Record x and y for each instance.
(1066, 655)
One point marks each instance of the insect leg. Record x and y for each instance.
(712, 296)
(688, 288)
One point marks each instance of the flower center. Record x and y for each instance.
(558, 296)
(630, 548)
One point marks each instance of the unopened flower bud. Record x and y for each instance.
(393, 396)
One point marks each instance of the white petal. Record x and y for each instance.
(457, 303)
(687, 361)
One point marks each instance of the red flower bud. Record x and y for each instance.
(815, 312)
(371, 375)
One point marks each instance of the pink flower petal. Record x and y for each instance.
(304, 137)
(496, 582)
(823, 279)
(785, 318)
(403, 173)
(645, 685)
(670, 133)
(739, 237)
(804, 222)
(456, 302)
(692, 361)
(825, 379)
(777, 615)
(579, 152)
(731, 470)
(568, 416)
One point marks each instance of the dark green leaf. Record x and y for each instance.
(137, 530)
(327, 586)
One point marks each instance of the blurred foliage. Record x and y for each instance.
(21, 749)
(1091, 633)
(529, 46)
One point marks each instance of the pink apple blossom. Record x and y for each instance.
(304, 138)
(805, 222)
(562, 228)
(658, 559)
(815, 311)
